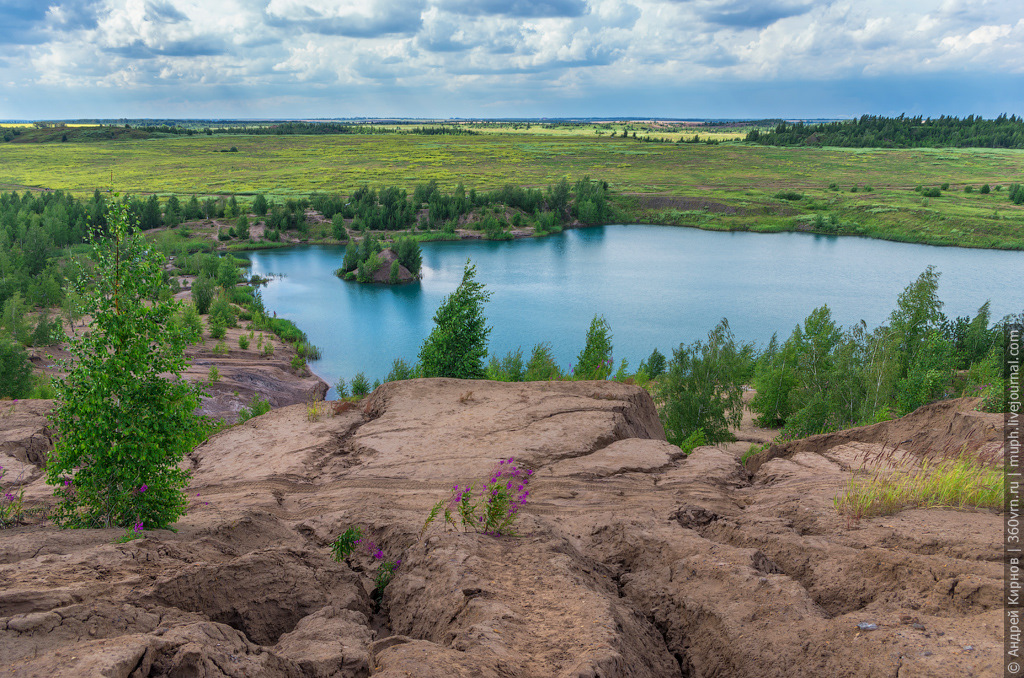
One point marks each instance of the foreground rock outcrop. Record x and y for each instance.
(632, 559)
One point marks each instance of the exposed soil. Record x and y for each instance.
(632, 559)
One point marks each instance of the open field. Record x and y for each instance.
(729, 186)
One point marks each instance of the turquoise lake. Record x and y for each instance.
(657, 286)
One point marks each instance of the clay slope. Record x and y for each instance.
(632, 559)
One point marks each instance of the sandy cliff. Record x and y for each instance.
(632, 561)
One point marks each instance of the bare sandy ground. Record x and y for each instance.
(631, 559)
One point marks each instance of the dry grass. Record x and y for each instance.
(966, 481)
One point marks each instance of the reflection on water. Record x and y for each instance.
(657, 286)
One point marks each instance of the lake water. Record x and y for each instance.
(657, 286)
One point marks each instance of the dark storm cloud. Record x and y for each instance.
(526, 9)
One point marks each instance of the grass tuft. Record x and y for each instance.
(963, 482)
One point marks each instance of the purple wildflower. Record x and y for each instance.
(138, 526)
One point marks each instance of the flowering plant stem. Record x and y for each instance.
(496, 510)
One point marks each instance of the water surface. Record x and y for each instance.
(657, 286)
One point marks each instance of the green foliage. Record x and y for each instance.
(257, 406)
(595, 360)
(14, 319)
(298, 363)
(509, 368)
(202, 294)
(338, 229)
(542, 365)
(214, 374)
(1016, 194)
(242, 227)
(702, 388)
(793, 195)
(47, 332)
(228, 274)
(217, 326)
(409, 254)
(931, 192)
(188, 323)
(824, 379)
(360, 385)
(223, 312)
(394, 272)
(654, 365)
(457, 345)
(15, 370)
(929, 375)
(693, 441)
(501, 498)
(124, 417)
(259, 205)
(400, 371)
(243, 342)
(346, 542)
(985, 189)
(341, 387)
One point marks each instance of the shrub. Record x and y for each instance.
(945, 186)
(595, 360)
(220, 349)
(931, 193)
(216, 327)
(457, 345)
(259, 205)
(298, 364)
(243, 342)
(542, 365)
(985, 188)
(47, 332)
(124, 417)
(790, 195)
(360, 386)
(202, 294)
(15, 370)
(968, 189)
(400, 371)
(338, 229)
(223, 310)
(188, 322)
(702, 388)
(394, 272)
(654, 366)
(341, 387)
(257, 406)
(214, 374)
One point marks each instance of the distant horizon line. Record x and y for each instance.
(400, 119)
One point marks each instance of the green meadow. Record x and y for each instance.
(730, 186)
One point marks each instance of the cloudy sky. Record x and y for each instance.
(508, 58)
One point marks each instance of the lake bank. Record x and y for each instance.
(658, 287)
